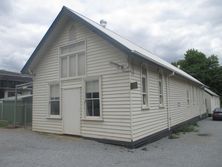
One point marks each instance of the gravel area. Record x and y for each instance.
(24, 148)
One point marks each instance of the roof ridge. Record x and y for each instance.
(134, 47)
(117, 40)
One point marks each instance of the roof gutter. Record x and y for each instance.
(152, 60)
(162, 65)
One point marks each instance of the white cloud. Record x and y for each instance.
(166, 28)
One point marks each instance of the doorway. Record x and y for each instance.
(71, 111)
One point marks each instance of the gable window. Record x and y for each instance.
(144, 85)
(160, 83)
(64, 67)
(81, 64)
(92, 98)
(72, 65)
(54, 99)
(73, 60)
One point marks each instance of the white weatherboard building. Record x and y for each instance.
(91, 82)
(212, 101)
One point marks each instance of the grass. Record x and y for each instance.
(174, 136)
(3, 123)
(184, 129)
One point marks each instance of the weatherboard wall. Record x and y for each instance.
(123, 117)
(115, 123)
(179, 108)
(155, 118)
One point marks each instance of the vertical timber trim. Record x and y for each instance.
(167, 101)
(130, 96)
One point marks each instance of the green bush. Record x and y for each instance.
(174, 136)
(187, 128)
(183, 129)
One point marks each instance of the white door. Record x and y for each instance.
(71, 111)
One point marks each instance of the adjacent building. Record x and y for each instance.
(8, 81)
(89, 81)
(212, 101)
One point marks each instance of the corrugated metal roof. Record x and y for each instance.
(137, 49)
(11, 73)
(115, 38)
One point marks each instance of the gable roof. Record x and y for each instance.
(210, 92)
(12, 73)
(115, 39)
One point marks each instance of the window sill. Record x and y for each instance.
(161, 106)
(71, 78)
(92, 119)
(145, 107)
(56, 117)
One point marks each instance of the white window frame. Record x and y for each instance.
(188, 96)
(202, 97)
(198, 96)
(92, 118)
(74, 53)
(49, 101)
(60, 69)
(160, 72)
(146, 106)
(195, 95)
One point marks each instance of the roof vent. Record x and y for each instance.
(103, 23)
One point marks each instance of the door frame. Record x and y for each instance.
(61, 106)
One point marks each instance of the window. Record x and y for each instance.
(54, 99)
(72, 68)
(73, 60)
(197, 96)
(193, 95)
(144, 86)
(81, 63)
(160, 88)
(64, 67)
(11, 94)
(92, 98)
(203, 97)
(188, 97)
(78, 46)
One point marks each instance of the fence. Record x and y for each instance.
(23, 115)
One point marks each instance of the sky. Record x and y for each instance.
(166, 28)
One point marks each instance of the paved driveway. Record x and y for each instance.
(23, 148)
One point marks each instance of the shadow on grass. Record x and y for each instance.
(3, 124)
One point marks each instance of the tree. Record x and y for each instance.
(205, 69)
